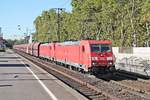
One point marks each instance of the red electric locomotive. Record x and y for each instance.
(87, 55)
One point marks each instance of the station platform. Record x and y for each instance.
(20, 79)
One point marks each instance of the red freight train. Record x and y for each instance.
(85, 55)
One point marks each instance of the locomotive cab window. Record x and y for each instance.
(95, 48)
(100, 48)
(105, 47)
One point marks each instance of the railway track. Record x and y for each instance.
(126, 92)
(133, 83)
(92, 88)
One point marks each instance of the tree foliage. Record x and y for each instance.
(125, 22)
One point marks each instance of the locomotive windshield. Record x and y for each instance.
(100, 48)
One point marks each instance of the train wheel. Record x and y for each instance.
(94, 71)
(70, 67)
(112, 69)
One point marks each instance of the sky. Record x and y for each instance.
(17, 16)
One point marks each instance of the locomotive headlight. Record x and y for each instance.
(94, 63)
(94, 58)
(110, 63)
(109, 58)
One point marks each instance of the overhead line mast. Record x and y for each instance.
(58, 21)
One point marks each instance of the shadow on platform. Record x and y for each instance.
(9, 57)
(27, 79)
(3, 60)
(14, 65)
(5, 85)
(23, 73)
